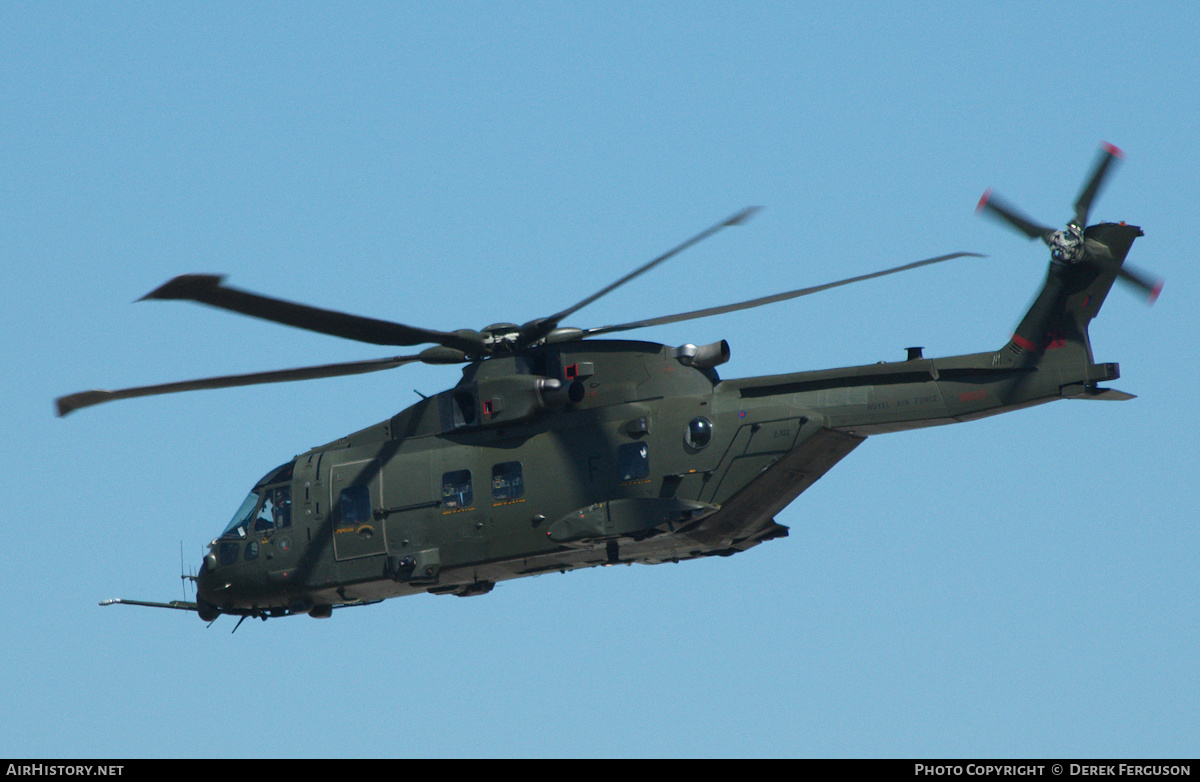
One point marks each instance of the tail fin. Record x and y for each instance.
(1053, 335)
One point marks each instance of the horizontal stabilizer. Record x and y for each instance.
(1081, 391)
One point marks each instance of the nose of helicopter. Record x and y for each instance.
(205, 588)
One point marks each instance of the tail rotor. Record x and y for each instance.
(1073, 244)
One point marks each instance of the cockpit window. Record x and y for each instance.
(263, 510)
(275, 512)
(266, 508)
(281, 474)
(237, 526)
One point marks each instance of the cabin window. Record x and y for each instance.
(507, 483)
(456, 489)
(633, 461)
(354, 504)
(251, 553)
(699, 433)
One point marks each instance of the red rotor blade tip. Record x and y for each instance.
(1158, 286)
(1112, 149)
(983, 199)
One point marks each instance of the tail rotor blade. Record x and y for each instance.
(1151, 287)
(995, 207)
(1100, 171)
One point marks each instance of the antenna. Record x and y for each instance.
(185, 574)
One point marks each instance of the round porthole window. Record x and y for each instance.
(699, 432)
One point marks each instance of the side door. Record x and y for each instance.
(464, 496)
(355, 499)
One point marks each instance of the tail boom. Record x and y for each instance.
(1048, 358)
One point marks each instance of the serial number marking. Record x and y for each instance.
(900, 404)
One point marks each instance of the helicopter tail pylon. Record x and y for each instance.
(1053, 334)
(1085, 261)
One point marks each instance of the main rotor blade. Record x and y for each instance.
(72, 402)
(705, 313)
(1083, 204)
(208, 289)
(995, 207)
(537, 329)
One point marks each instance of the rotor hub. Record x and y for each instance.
(501, 337)
(1066, 246)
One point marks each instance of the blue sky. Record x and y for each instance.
(1024, 585)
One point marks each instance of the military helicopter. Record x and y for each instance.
(556, 451)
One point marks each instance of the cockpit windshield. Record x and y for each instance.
(237, 526)
(268, 507)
